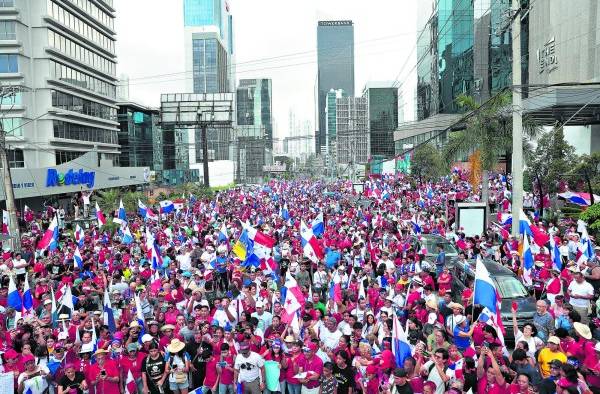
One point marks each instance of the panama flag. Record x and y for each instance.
(78, 260)
(310, 244)
(79, 236)
(14, 299)
(27, 297)
(223, 236)
(555, 253)
(130, 385)
(585, 244)
(486, 295)
(504, 218)
(294, 299)
(121, 215)
(109, 318)
(5, 221)
(127, 237)
(318, 225)
(50, 239)
(166, 206)
(527, 258)
(401, 348)
(100, 216)
(146, 212)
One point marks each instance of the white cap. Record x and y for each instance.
(62, 335)
(259, 304)
(147, 338)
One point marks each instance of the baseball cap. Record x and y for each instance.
(554, 340)
(400, 373)
(244, 346)
(147, 338)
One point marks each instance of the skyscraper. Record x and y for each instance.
(208, 29)
(254, 106)
(335, 58)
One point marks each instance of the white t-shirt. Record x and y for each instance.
(185, 262)
(248, 367)
(581, 289)
(20, 266)
(330, 339)
(434, 376)
(36, 382)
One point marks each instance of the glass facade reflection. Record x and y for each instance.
(202, 13)
(383, 119)
(335, 58)
(209, 66)
(254, 106)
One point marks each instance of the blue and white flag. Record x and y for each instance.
(318, 225)
(77, 259)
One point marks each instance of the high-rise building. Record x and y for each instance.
(382, 102)
(353, 143)
(463, 47)
(255, 105)
(209, 46)
(335, 61)
(59, 56)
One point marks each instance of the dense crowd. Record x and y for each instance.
(299, 287)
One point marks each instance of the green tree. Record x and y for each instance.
(587, 168)
(427, 163)
(130, 200)
(488, 130)
(108, 200)
(592, 217)
(550, 162)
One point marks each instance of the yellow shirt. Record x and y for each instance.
(546, 356)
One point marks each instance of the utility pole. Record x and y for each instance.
(517, 114)
(205, 155)
(13, 224)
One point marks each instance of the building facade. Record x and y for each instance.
(208, 38)
(564, 47)
(353, 142)
(58, 60)
(382, 103)
(335, 62)
(255, 106)
(331, 142)
(463, 48)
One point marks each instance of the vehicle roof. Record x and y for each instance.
(494, 268)
(434, 237)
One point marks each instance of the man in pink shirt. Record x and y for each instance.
(313, 366)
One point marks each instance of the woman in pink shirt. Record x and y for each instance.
(490, 379)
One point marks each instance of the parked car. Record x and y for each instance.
(430, 242)
(509, 287)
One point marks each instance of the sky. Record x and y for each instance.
(273, 39)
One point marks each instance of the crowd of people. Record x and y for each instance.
(298, 287)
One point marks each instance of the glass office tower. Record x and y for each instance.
(335, 58)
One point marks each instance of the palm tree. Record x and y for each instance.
(108, 200)
(488, 131)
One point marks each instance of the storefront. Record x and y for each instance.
(36, 187)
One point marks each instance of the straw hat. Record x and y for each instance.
(454, 305)
(167, 327)
(100, 351)
(583, 330)
(175, 346)
(431, 304)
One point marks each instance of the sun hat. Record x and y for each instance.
(583, 330)
(167, 327)
(175, 346)
(553, 339)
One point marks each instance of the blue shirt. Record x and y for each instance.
(461, 342)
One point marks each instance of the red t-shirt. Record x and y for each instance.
(211, 372)
(315, 364)
(135, 366)
(495, 388)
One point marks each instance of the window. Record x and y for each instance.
(8, 64)
(15, 158)
(80, 53)
(73, 103)
(66, 156)
(81, 27)
(8, 30)
(12, 126)
(73, 131)
(7, 3)
(82, 80)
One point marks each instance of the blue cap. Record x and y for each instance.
(187, 274)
